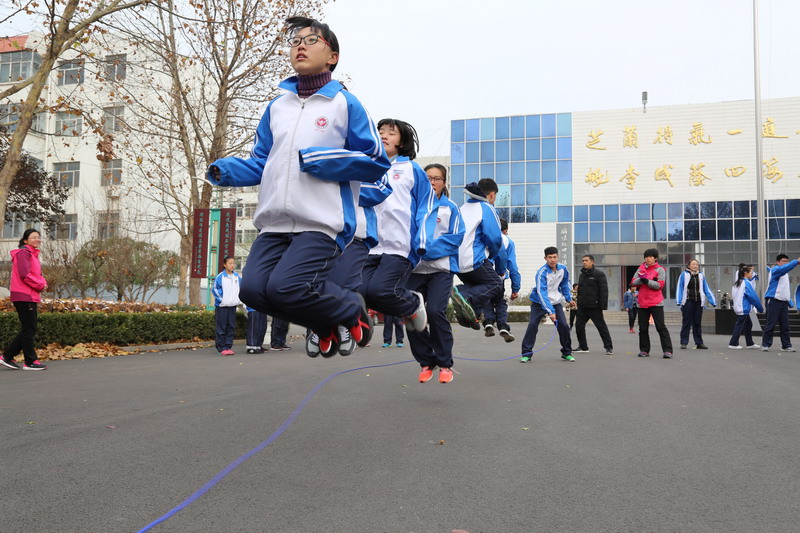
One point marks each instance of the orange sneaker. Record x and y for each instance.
(445, 375)
(425, 374)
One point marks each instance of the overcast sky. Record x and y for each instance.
(431, 61)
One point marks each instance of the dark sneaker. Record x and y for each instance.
(609, 352)
(347, 344)
(644, 354)
(667, 355)
(568, 358)
(419, 319)
(312, 344)
(255, 350)
(279, 348)
(36, 365)
(581, 350)
(788, 349)
(329, 344)
(10, 363)
(464, 312)
(488, 330)
(702, 347)
(683, 346)
(507, 336)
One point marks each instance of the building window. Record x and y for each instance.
(116, 67)
(65, 228)
(16, 66)
(70, 73)
(68, 124)
(107, 224)
(246, 236)
(68, 174)
(246, 210)
(14, 228)
(111, 172)
(113, 118)
(9, 117)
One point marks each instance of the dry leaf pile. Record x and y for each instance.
(53, 305)
(56, 352)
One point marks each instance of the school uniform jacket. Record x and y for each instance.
(448, 233)
(482, 236)
(745, 298)
(551, 288)
(778, 282)
(401, 217)
(371, 195)
(705, 292)
(226, 289)
(512, 270)
(309, 158)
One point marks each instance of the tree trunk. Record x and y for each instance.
(185, 264)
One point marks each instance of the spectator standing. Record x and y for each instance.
(629, 304)
(592, 301)
(692, 296)
(226, 299)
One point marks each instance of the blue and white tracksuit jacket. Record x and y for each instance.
(371, 195)
(448, 233)
(705, 292)
(401, 217)
(309, 158)
(778, 282)
(226, 289)
(551, 288)
(482, 236)
(745, 298)
(512, 271)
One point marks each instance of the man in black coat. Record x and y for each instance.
(592, 301)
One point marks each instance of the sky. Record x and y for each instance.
(431, 61)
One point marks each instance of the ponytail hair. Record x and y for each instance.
(743, 269)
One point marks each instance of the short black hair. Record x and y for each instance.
(28, 232)
(590, 256)
(503, 224)
(409, 142)
(550, 250)
(296, 24)
(779, 257)
(488, 185)
(225, 259)
(651, 252)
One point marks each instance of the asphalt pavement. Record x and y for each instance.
(707, 441)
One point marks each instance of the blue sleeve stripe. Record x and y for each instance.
(322, 157)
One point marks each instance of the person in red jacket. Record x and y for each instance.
(26, 284)
(650, 278)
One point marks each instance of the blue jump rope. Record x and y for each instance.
(291, 419)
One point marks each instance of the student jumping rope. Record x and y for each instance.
(497, 310)
(483, 240)
(402, 234)
(314, 145)
(745, 299)
(551, 288)
(226, 291)
(432, 347)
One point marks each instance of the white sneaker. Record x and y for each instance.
(765, 348)
(419, 319)
(789, 349)
(580, 351)
(347, 344)
(507, 335)
(732, 347)
(754, 347)
(312, 344)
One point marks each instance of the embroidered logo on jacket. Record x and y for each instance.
(321, 123)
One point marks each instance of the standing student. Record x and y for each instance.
(592, 301)
(393, 324)
(692, 296)
(226, 299)
(432, 347)
(27, 283)
(629, 304)
(314, 145)
(483, 241)
(778, 298)
(497, 310)
(744, 299)
(278, 333)
(650, 278)
(256, 331)
(402, 234)
(551, 288)
(573, 311)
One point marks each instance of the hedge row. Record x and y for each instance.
(121, 329)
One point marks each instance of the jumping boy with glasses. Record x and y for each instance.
(314, 146)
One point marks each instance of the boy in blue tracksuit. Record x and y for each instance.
(551, 288)
(778, 298)
(403, 236)
(226, 298)
(432, 347)
(313, 147)
(483, 241)
(744, 300)
(497, 310)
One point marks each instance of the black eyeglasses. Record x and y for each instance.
(309, 40)
(436, 178)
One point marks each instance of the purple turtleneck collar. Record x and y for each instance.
(308, 85)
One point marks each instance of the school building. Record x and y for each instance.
(613, 183)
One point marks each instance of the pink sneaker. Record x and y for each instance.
(227, 352)
(445, 375)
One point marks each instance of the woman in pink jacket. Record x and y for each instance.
(26, 284)
(650, 278)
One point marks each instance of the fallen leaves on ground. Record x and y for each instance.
(56, 352)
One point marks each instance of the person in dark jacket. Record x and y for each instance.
(592, 301)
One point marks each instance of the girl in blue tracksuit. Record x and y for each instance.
(692, 295)
(744, 299)
(226, 298)
(433, 278)
(313, 147)
(402, 234)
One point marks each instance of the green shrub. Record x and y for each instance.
(121, 329)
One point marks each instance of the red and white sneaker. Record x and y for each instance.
(445, 375)
(36, 365)
(362, 331)
(329, 344)
(425, 374)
